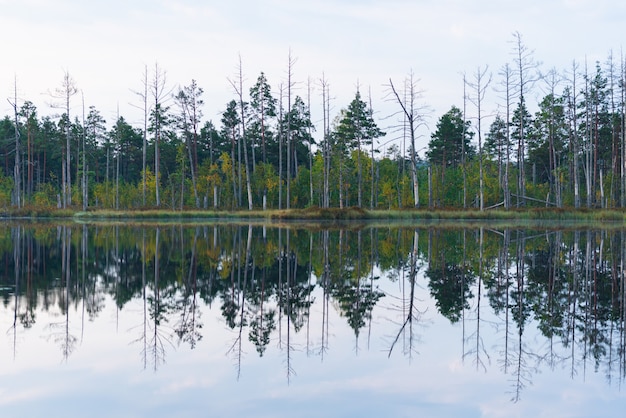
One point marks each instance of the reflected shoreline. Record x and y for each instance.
(269, 284)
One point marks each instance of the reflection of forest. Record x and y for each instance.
(567, 284)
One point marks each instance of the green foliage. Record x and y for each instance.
(6, 189)
(450, 144)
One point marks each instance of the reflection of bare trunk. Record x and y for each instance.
(157, 310)
(573, 302)
(144, 337)
(622, 322)
(157, 300)
(280, 288)
(505, 255)
(66, 340)
(622, 314)
(326, 296)
(309, 298)
(411, 313)
(242, 300)
(479, 343)
(372, 264)
(358, 284)
(289, 307)
(462, 291)
(521, 377)
(83, 255)
(17, 260)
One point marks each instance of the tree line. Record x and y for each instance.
(569, 152)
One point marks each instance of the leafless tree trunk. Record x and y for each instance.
(507, 74)
(65, 93)
(588, 148)
(326, 147)
(573, 133)
(308, 104)
(291, 63)
(414, 116)
(17, 168)
(280, 147)
(373, 203)
(525, 64)
(238, 86)
(143, 95)
(84, 172)
(480, 84)
(615, 143)
(158, 95)
(463, 160)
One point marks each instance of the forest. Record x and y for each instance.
(567, 149)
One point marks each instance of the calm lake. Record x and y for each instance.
(188, 320)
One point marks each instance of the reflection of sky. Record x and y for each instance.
(104, 375)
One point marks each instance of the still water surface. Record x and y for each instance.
(251, 320)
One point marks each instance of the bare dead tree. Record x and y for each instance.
(143, 96)
(238, 87)
(326, 151)
(508, 94)
(159, 95)
(290, 85)
(552, 81)
(527, 75)
(574, 145)
(479, 85)
(410, 312)
(17, 168)
(63, 95)
(414, 114)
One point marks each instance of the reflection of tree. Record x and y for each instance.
(158, 307)
(499, 291)
(478, 348)
(356, 300)
(325, 284)
(240, 303)
(60, 331)
(263, 318)
(570, 285)
(522, 369)
(450, 285)
(547, 294)
(17, 235)
(189, 325)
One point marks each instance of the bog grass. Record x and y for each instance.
(592, 216)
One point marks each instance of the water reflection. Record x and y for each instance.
(524, 300)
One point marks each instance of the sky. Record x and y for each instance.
(106, 46)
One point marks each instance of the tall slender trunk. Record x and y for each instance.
(17, 174)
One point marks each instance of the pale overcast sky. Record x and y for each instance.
(105, 45)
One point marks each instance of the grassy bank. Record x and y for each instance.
(332, 214)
